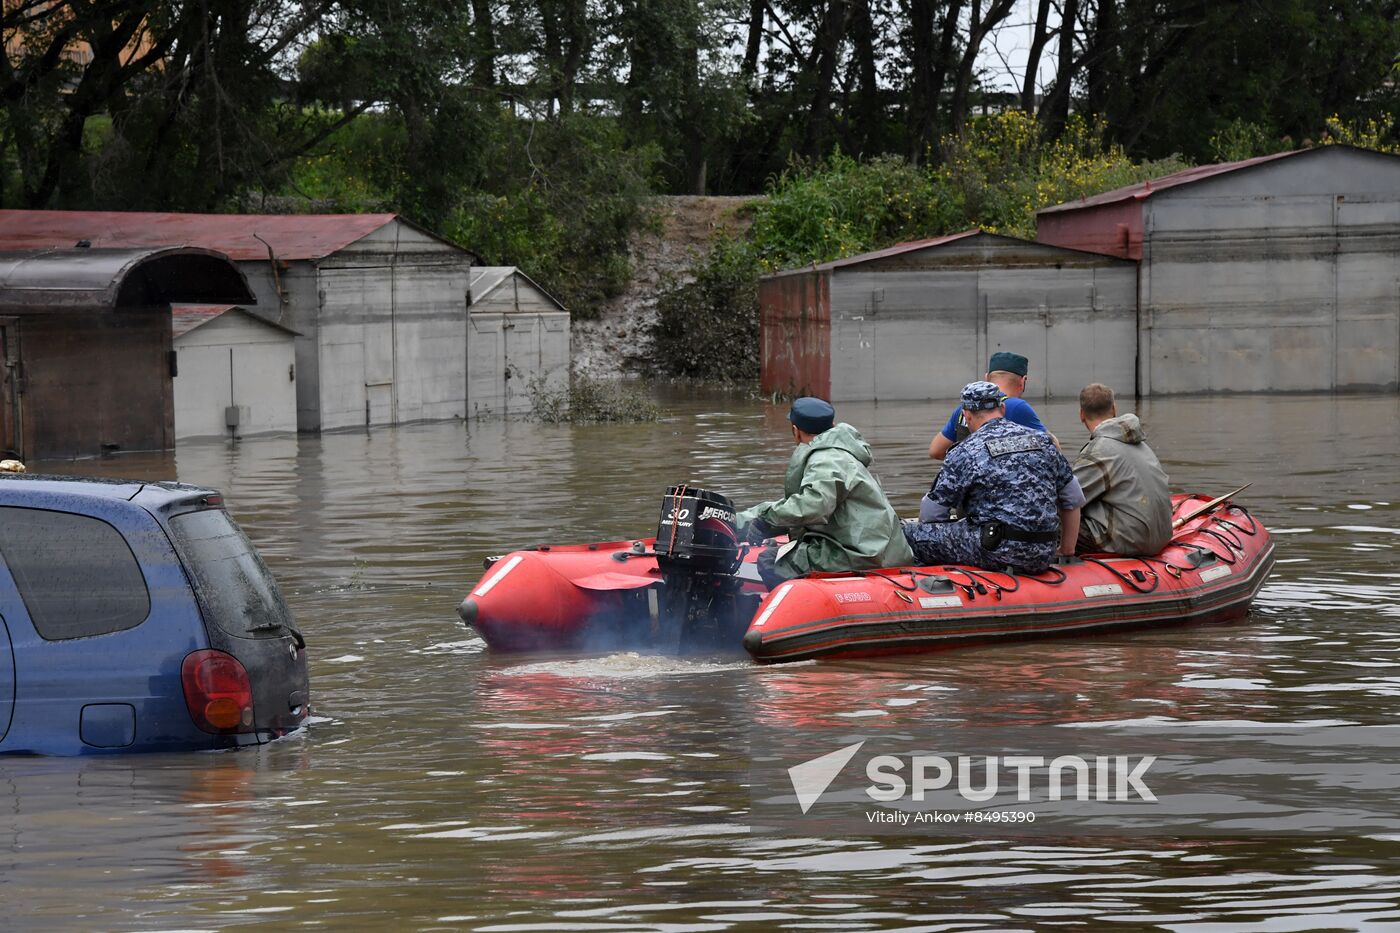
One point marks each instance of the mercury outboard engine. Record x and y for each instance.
(697, 549)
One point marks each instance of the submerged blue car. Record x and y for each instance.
(138, 617)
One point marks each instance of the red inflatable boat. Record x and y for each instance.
(638, 594)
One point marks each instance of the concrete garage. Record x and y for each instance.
(380, 304)
(235, 374)
(87, 357)
(1272, 274)
(918, 320)
(519, 333)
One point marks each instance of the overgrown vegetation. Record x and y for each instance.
(590, 401)
(707, 324)
(995, 176)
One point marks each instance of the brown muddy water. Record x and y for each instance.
(442, 788)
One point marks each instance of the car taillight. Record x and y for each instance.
(218, 692)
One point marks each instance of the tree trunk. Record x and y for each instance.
(1055, 112)
(978, 29)
(577, 41)
(754, 46)
(484, 27)
(869, 119)
(1039, 38)
(828, 47)
(1101, 66)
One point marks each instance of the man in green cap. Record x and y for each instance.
(1008, 372)
(834, 512)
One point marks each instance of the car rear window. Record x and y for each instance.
(76, 574)
(235, 589)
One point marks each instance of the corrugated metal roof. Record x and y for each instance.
(486, 279)
(291, 236)
(84, 279)
(888, 251)
(1145, 189)
(913, 246)
(185, 318)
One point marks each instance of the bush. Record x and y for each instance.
(707, 325)
(590, 401)
(562, 202)
(817, 211)
(1000, 171)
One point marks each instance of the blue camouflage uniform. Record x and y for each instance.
(1003, 473)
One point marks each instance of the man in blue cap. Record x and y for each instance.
(835, 514)
(1016, 492)
(1008, 371)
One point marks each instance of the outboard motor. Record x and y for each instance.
(697, 549)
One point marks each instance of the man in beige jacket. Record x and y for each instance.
(1127, 508)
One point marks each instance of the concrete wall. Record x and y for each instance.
(235, 360)
(1282, 277)
(922, 324)
(296, 306)
(393, 341)
(383, 326)
(518, 334)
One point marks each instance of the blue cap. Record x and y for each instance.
(1005, 362)
(812, 415)
(982, 396)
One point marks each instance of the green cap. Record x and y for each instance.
(1005, 362)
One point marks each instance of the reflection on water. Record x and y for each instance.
(441, 787)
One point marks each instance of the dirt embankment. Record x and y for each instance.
(616, 344)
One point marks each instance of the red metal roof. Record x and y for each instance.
(896, 250)
(291, 236)
(1145, 189)
(185, 318)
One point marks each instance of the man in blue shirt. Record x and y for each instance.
(1018, 496)
(1008, 372)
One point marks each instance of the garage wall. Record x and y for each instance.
(96, 382)
(507, 351)
(1285, 277)
(795, 336)
(392, 339)
(921, 324)
(297, 307)
(234, 360)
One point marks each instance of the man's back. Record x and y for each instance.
(1128, 507)
(1005, 472)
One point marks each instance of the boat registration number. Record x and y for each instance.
(939, 602)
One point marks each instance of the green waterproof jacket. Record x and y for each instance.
(834, 509)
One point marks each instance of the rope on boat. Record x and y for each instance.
(1156, 579)
(675, 521)
(1230, 546)
(1037, 578)
(1172, 570)
(982, 584)
(1251, 531)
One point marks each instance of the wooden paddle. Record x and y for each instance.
(1209, 506)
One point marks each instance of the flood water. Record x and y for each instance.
(442, 788)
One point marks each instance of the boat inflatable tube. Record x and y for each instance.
(606, 596)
